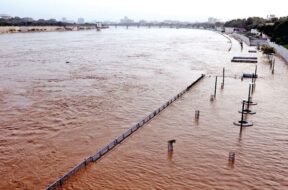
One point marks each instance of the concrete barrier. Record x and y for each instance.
(248, 41)
(282, 51)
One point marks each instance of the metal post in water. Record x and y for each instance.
(273, 66)
(197, 114)
(212, 98)
(249, 97)
(242, 114)
(243, 122)
(255, 70)
(223, 78)
(240, 134)
(170, 145)
(231, 156)
(215, 87)
(254, 81)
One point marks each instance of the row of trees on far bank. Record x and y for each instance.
(275, 28)
(17, 21)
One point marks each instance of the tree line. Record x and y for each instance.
(17, 21)
(275, 28)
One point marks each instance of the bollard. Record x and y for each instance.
(215, 90)
(231, 157)
(170, 145)
(197, 114)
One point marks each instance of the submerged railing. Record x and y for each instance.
(118, 140)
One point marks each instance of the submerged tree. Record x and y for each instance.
(268, 50)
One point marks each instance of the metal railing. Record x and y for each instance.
(118, 140)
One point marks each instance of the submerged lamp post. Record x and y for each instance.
(243, 122)
(248, 103)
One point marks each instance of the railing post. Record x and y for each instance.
(215, 87)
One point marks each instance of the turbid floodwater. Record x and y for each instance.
(64, 95)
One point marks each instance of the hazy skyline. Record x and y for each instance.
(184, 10)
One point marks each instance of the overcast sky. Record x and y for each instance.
(185, 10)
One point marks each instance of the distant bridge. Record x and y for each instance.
(162, 25)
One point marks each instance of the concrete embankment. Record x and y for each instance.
(282, 51)
(15, 29)
(249, 41)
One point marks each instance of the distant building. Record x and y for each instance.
(219, 29)
(52, 20)
(98, 25)
(70, 21)
(28, 19)
(270, 17)
(4, 16)
(212, 20)
(64, 19)
(171, 22)
(81, 21)
(255, 31)
(126, 20)
(229, 30)
(142, 21)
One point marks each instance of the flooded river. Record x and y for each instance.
(64, 95)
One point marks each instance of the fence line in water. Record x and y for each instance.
(118, 140)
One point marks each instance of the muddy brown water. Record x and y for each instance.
(65, 95)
